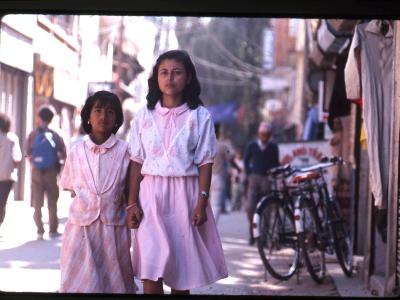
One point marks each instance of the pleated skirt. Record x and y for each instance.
(96, 259)
(167, 245)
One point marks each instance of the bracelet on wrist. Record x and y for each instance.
(204, 195)
(131, 205)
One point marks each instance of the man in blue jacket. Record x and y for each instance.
(260, 156)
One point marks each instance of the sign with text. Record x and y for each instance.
(93, 87)
(305, 154)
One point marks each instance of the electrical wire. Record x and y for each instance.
(223, 82)
(223, 69)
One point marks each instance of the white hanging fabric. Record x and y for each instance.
(371, 77)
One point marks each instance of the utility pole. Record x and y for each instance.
(158, 22)
(118, 89)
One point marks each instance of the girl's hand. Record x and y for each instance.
(199, 215)
(134, 216)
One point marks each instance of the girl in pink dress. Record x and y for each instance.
(95, 255)
(173, 145)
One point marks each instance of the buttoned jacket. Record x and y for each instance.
(99, 188)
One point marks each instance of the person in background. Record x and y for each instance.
(230, 166)
(218, 190)
(313, 128)
(10, 153)
(260, 156)
(238, 179)
(45, 149)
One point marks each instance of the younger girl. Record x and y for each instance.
(95, 255)
(173, 145)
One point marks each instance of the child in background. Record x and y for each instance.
(95, 255)
(173, 145)
(238, 178)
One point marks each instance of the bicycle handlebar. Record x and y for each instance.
(325, 162)
(287, 170)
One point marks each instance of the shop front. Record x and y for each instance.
(16, 67)
(371, 73)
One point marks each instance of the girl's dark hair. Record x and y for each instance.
(5, 123)
(104, 98)
(191, 92)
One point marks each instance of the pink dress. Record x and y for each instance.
(171, 144)
(95, 255)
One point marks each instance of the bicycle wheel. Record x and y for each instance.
(342, 239)
(278, 243)
(312, 246)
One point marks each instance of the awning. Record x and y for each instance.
(223, 112)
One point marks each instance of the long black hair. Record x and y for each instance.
(191, 93)
(104, 98)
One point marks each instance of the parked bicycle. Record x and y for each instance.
(274, 229)
(304, 216)
(319, 215)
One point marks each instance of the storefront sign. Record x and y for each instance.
(305, 154)
(93, 87)
(43, 79)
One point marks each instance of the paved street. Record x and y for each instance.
(28, 265)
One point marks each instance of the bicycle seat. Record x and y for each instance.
(305, 177)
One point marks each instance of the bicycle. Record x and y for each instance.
(305, 217)
(274, 229)
(320, 223)
(339, 232)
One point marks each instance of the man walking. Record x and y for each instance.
(10, 153)
(45, 149)
(218, 189)
(260, 156)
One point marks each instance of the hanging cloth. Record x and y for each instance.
(374, 83)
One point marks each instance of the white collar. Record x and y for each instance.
(110, 142)
(261, 145)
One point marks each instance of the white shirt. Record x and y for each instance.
(191, 145)
(10, 152)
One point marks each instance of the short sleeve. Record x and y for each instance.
(352, 74)
(136, 150)
(66, 175)
(16, 150)
(207, 145)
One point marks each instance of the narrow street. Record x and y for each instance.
(28, 265)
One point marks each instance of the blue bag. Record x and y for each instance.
(44, 151)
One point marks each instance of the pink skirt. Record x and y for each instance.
(96, 259)
(166, 243)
